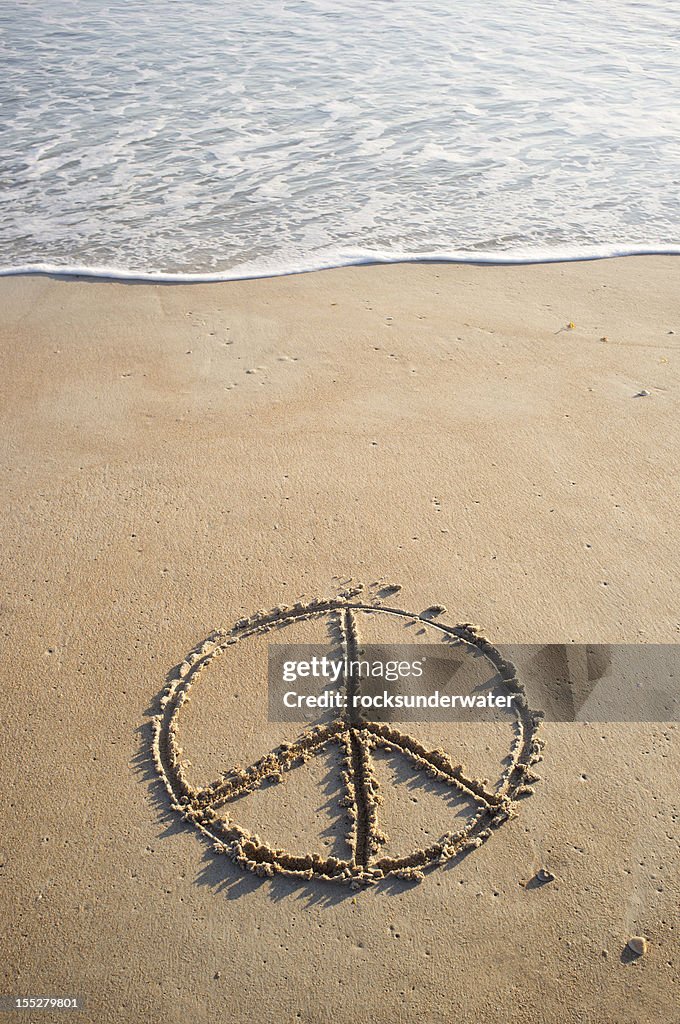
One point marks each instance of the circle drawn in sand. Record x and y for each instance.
(357, 739)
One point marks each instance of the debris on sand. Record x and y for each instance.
(544, 875)
(638, 945)
(433, 610)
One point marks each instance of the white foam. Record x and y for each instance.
(245, 140)
(500, 259)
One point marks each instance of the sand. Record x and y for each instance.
(176, 458)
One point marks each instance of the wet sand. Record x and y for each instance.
(178, 457)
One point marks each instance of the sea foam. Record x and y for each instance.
(368, 259)
(235, 141)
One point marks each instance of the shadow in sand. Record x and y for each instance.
(412, 779)
(629, 956)
(219, 874)
(538, 883)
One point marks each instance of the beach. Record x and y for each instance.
(498, 440)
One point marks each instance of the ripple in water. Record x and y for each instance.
(259, 137)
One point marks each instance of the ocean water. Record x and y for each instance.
(167, 137)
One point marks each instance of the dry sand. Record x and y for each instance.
(176, 457)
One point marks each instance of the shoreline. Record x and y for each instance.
(491, 259)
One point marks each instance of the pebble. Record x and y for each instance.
(544, 875)
(434, 609)
(638, 945)
(642, 394)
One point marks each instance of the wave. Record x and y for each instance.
(368, 258)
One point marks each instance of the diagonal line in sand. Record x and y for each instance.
(436, 763)
(271, 766)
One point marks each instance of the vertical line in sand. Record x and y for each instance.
(363, 846)
(350, 653)
(359, 747)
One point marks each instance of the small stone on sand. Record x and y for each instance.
(638, 945)
(434, 609)
(544, 875)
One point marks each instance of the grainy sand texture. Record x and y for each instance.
(178, 459)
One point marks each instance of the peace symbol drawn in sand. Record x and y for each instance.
(357, 739)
